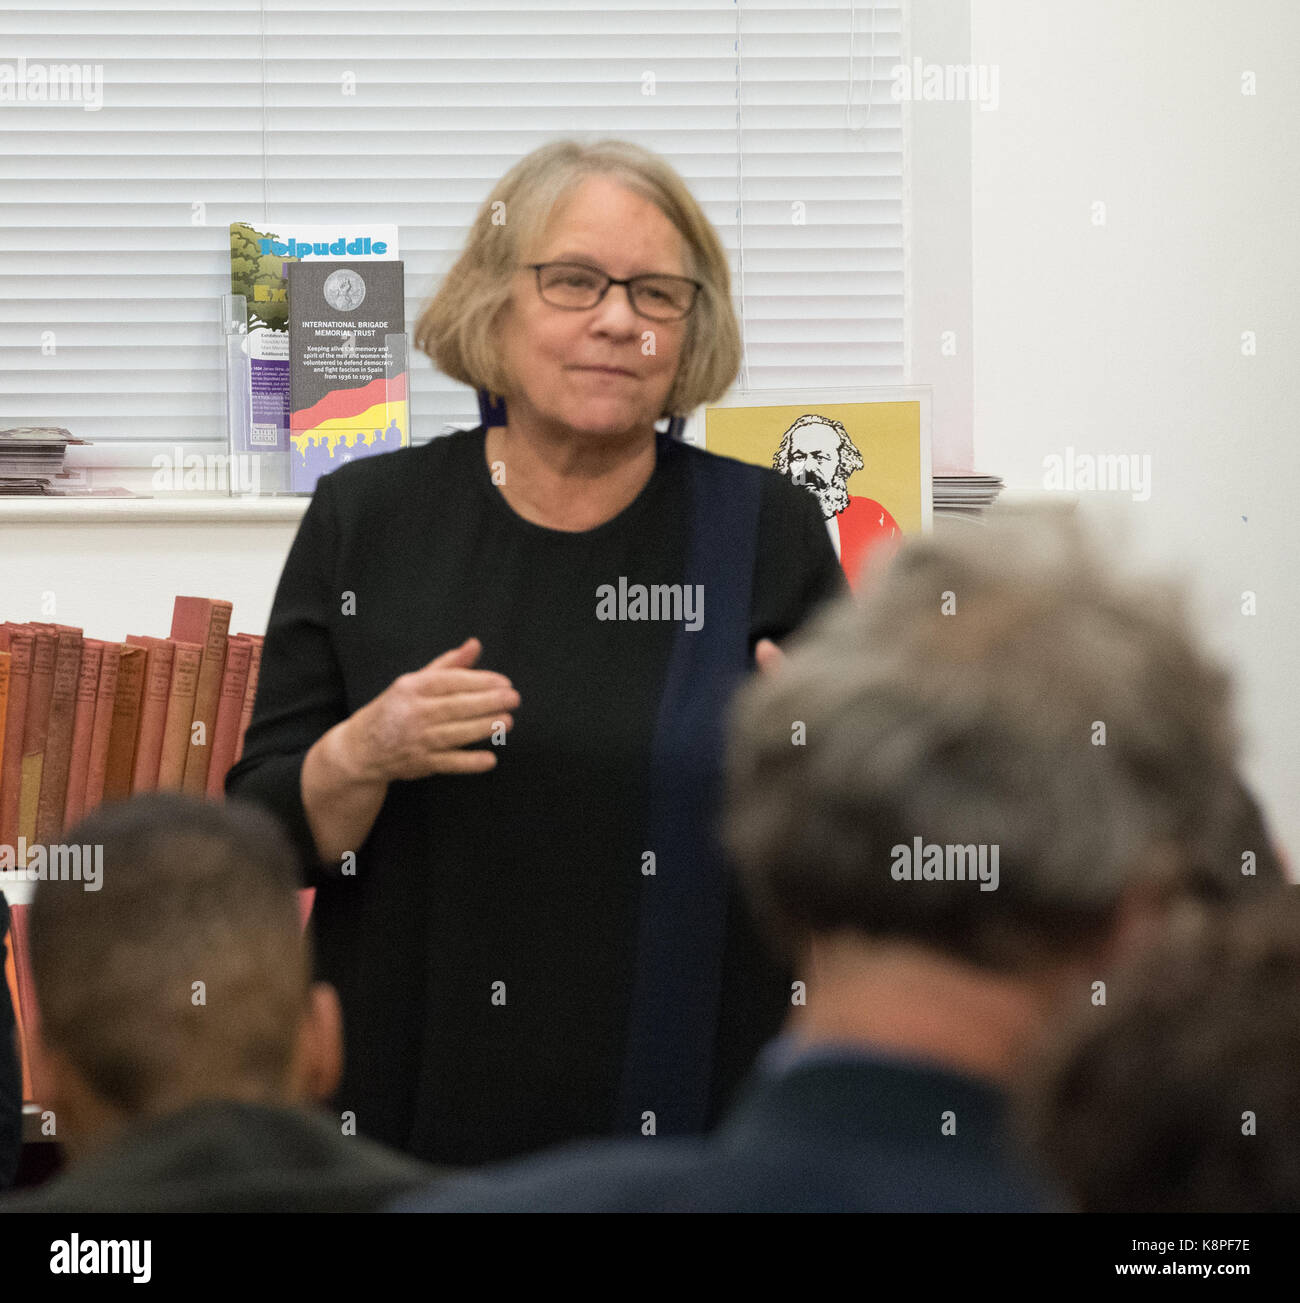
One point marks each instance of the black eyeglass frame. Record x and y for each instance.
(537, 267)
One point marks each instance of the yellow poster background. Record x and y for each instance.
(887, 434)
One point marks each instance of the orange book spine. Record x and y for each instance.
(102, 731)
(21, 645)
(250, 692)
(11, 978)
(5, 636)
(58, 745)
(92, 655)
(36, 729)
(205, 621)
(26, 986)
(126, 721)
(160, 655)
(225, 737)
(6, 664)
(180, 715)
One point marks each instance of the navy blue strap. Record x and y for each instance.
(491, 408)
(673, 1022)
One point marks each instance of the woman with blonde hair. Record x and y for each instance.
(494, 681)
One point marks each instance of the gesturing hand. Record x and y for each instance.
(419, 723)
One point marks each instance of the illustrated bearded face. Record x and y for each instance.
(815, 466)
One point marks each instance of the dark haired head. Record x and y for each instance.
(184, 974)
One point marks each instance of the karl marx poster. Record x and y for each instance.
(863, 455)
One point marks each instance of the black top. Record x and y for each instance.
(840, 1134)
(224, 1157)
(528, 875)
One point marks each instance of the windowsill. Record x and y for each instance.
(188, 510)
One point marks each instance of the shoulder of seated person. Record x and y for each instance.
(587, 1174)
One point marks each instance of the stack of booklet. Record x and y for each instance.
(965, 493)
(31, 459)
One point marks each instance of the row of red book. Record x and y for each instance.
(84, 721)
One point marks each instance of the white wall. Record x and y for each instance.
(938, 248)
(118, 575)
(1127, 337)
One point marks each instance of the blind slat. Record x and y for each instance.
(223, 106)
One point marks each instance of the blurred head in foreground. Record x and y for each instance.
(969, 787)
(183, 978)
(1180, 1094)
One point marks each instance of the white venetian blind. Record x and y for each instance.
(114, 249)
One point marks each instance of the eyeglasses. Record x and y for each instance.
(575, 287)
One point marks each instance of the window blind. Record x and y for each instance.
(115, 218)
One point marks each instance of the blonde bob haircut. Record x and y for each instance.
(457, 327)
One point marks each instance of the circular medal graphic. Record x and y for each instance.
(344, 290)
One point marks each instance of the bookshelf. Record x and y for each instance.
(114, 566)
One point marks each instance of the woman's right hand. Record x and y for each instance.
(419, 724)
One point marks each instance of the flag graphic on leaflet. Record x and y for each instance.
(348, 377)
